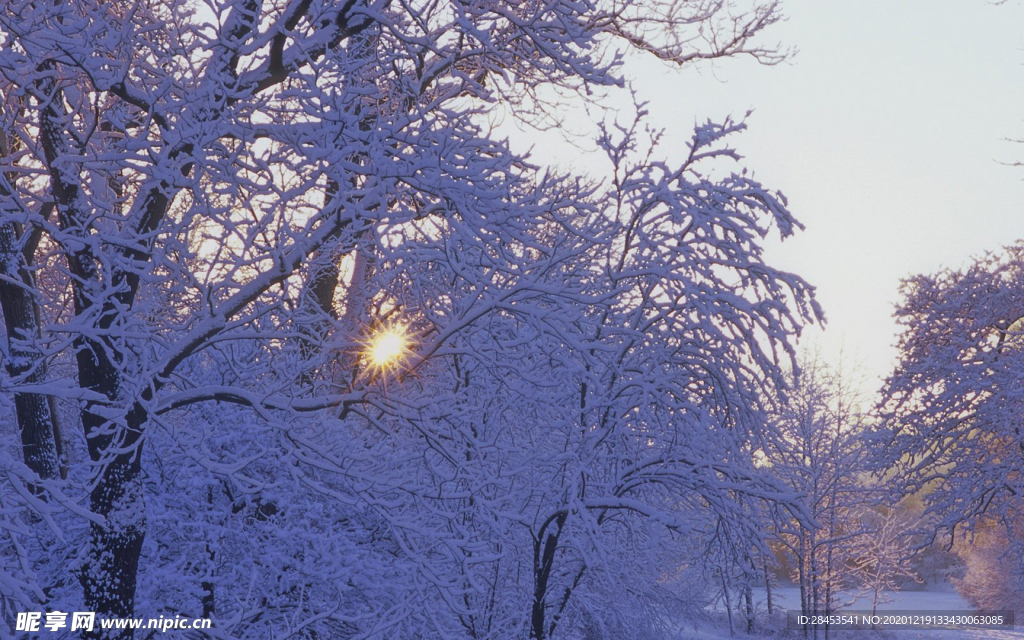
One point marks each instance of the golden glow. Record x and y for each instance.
(388, 347)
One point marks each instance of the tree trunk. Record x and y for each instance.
(544, 547)
(748, 596)
(40, 442)
(109, 575)
(25, 363)
(728, 603)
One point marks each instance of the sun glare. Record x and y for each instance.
(388, 347)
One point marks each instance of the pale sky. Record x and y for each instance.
(887, 133)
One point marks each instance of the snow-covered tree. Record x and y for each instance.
(223, 203)
(953, 403)
(994, 570)
(817, 449)
(881, 558)
(570, 447)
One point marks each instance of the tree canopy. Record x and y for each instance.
(210, 211)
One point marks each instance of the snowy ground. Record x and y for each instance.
(947, 600)
(950, 601)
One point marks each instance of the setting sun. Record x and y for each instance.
(387, 347)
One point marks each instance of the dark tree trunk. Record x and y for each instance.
(209, 593)
(40, 443)
(748, 596)
(544, 547)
